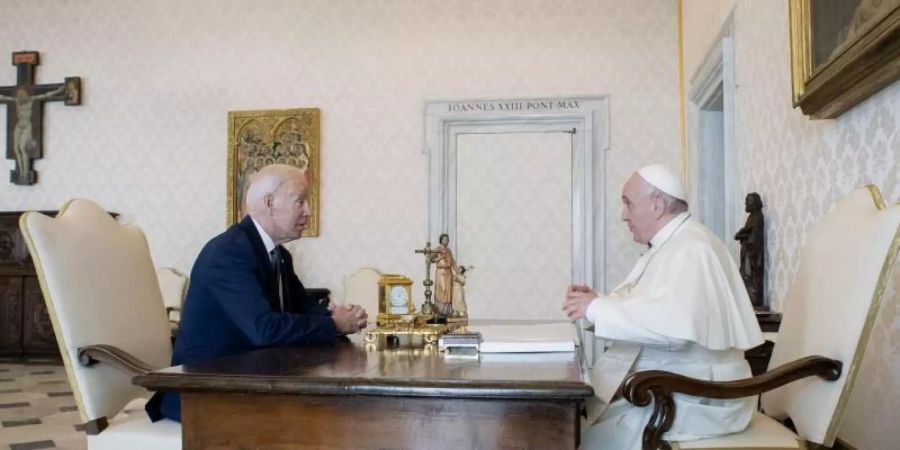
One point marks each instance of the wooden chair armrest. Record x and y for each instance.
(114, 356)
(658, 386)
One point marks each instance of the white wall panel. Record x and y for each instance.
(514, 223)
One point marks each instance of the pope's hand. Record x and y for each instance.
(578, 298)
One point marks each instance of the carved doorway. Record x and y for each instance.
(711, 152)
(518, 186)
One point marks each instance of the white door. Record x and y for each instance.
(514, 222)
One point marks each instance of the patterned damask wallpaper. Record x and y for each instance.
(159, 78)
(801, 167)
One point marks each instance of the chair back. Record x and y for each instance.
(98, 280)
(173, 286)
(831, 307)
(361, 287)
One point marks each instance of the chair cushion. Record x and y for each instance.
(134, 431)
(762, 433)
(173, 287)
(361, 288)
(135, 406)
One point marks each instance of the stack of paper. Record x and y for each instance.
(540, 337)
(459, 340)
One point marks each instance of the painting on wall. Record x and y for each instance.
(842, 52)
(260, 138)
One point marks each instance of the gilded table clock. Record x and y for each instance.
(394, 297)
(397, 312)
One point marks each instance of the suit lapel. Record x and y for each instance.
(263, 262)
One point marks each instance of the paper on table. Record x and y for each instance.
(542, 337)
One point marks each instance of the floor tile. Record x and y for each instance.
(37, 408)
(35, 445)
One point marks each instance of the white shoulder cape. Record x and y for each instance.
(685, 289)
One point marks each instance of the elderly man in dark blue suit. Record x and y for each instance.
(243, 283)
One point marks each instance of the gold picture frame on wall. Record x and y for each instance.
(842, 52)
(259, 138)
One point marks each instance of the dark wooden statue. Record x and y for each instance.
(753, 250)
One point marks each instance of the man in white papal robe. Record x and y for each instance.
(683, 308)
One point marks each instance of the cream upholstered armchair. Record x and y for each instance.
(104, 301)
(361, 288)
(830, 310)
(173, 286)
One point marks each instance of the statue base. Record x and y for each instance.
(428, 326)
(26, 179)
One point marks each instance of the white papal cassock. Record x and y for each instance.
(684, 309)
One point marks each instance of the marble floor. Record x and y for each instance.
(37, 409)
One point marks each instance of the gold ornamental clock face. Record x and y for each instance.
(399, 297)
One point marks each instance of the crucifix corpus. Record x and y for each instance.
(25, 112)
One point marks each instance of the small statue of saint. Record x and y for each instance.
(445, 275)
(459, 293)
(753, 250)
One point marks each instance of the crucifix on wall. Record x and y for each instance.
(25, 112)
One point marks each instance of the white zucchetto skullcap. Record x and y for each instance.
(660, 177)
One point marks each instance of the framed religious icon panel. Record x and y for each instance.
(260, 138)
(842, 52)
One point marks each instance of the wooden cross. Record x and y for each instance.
(25, 112)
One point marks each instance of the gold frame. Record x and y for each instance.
(865, 64)
(264, 127)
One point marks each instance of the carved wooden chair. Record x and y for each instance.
(173, 286)
(830, 310)
(104, 301)
(361, 288)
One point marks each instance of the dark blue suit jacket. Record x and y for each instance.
(232, 306)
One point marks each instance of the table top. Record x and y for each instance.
(348, 366)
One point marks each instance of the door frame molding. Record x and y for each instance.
(714, 77)
(585, 117)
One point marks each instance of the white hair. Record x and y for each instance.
(674, 205)
(267, 181)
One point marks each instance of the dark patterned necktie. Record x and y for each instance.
(277, 269)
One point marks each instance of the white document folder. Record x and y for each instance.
(526, 338)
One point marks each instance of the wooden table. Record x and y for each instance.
(348, 394)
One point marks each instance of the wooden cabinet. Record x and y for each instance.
(25, 327)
